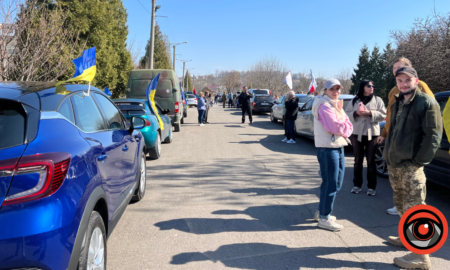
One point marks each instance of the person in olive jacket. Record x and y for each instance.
(414, 136)
(246, 105)
(291, 105)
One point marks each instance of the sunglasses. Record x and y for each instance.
(370, 86)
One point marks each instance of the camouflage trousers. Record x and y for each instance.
(408, 183)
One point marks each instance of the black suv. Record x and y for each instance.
(438, 170)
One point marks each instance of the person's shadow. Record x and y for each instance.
(262, 256)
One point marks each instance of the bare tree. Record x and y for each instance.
(269, 73)
(135, 49)
(41, 48)
(427, 45)
(345, 78)
(231, 80)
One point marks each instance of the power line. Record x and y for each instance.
(144, 7)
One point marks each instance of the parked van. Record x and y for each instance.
(262, 92)
(168, 91)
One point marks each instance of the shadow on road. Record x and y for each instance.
(262, 256)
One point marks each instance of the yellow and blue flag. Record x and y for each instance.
(85, 67)
(107, 91)
(150, 92)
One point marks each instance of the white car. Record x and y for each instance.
(191, 100)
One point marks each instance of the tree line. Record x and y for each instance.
(426, 45)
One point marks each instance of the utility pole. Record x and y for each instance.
(174, 48)
(152, 36)
(184, 63)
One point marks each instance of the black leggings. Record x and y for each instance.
(359, 149)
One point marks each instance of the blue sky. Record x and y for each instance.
(325, 36)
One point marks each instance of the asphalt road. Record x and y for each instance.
(233, 196)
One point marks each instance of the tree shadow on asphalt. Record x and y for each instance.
(263, 256)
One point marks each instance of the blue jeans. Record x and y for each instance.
(290, 129)
(201, 113)
(332, 169)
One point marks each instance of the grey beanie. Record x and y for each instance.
(330, 83)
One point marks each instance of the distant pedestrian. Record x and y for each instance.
(291, 105)
(275, 98)
(237, 103)
(224, 99)
(201, 107)
(230, 100)
(414, 136)
(244, 100)
(365, 112)
(207, 107)
(331, 131)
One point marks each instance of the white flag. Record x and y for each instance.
(312, 85)
(288, 80)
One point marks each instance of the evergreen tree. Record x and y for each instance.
(377, 69)
(160, 57)
(103, 24)
(389, 56)
(188, 82)
(362, 71)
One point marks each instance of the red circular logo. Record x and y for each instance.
(423, 229)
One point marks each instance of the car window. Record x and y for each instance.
(308, 105)
(281, 100)
(164, 88)
(87, 114)
(303, 99)
(65, 108)
(12, 124)
(111, 113)
(346, 102)
(264, 98)
(190, 96)
(260, 92)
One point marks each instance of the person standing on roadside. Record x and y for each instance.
(365, 112)
(246, 105)
(415, 132)
(224, 100)
(291, 105)
(201, 107)
(401, 62)
(331, 131)
(230, 100)
(208, 107)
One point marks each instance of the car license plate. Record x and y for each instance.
(264, 103)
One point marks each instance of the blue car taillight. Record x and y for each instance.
(46, 173)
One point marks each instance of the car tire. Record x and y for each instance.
(272, 118)
(95, 240)
(142, 181)
(380, 162)
(177, 127)
(155, 152)
(168, 139)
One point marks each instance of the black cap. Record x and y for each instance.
(410, 71)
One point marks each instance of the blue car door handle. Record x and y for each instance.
(125, 148)
(102, 157)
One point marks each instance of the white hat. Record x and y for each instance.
(330, 83)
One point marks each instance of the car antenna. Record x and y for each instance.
(89, 89)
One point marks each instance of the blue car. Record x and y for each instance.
(69, 165)
(152, 133)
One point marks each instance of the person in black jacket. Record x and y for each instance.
(208, 106)
(291, 105)
(246, 105)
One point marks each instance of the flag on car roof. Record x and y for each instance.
(85, 67)
(313, 84)
(195, 92)
(288, 80)
(150, 92)
(107, 91)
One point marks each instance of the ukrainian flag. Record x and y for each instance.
(85, 67)
(150, 92)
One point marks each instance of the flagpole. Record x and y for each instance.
(89, 89)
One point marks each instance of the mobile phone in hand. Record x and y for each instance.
(362, 107)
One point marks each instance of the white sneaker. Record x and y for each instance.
(356, 190)
(317, 217)
(392, 211)
(202, 125)
(330, 225)
(284, 140)
(371, 192)
(291, 141)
